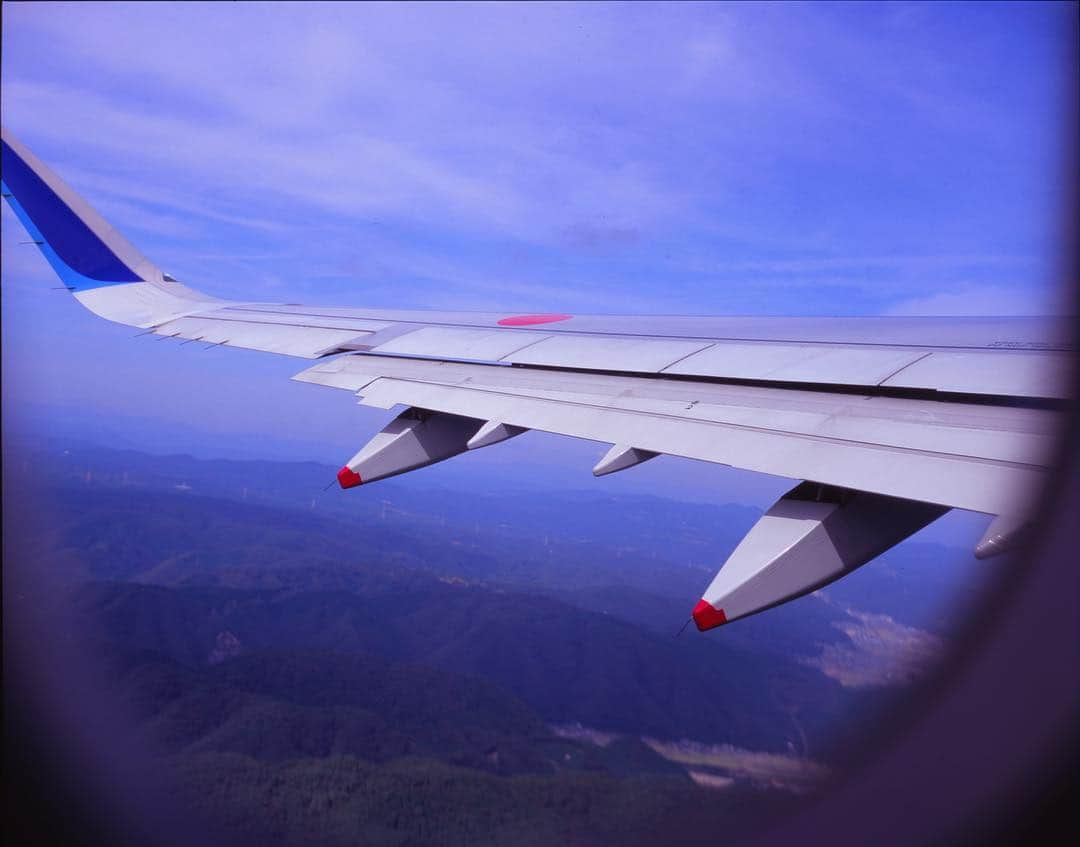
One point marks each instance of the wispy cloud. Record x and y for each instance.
(645, 147)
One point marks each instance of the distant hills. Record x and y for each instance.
(558, 540)
(314, 654)
(570, 665)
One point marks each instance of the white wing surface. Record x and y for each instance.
(888, 421)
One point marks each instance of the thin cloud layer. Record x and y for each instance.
(591, 150)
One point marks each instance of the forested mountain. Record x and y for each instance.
(393, 669)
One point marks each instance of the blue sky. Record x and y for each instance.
(676, 158)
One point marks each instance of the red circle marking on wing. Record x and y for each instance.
(529, 320)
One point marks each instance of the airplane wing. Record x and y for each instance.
(888, 422)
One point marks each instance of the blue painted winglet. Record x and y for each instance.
(80, 258)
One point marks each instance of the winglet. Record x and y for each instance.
(84, 250)
(104, 270)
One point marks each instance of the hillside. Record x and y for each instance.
(282, 654)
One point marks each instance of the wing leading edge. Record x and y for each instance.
(890, 422)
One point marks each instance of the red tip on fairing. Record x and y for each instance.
(707, 617)
(348, 478)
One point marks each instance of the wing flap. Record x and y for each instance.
(814, 363)
(970, 457)
(1009, 435)
(993, 372)
(1016, 373)
(590, 352)
(938, 478)
(452, 343)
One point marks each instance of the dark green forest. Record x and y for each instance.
(399, 674)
